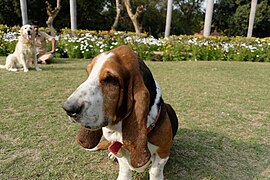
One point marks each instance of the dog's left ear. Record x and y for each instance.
(134, 127)
(20, 31)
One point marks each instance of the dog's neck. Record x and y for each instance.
(26, 41)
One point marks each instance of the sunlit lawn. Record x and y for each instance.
(223, 109)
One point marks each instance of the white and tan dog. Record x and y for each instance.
(121, 101)
(25, 51)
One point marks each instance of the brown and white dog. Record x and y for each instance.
(121, 101)
(25, 51)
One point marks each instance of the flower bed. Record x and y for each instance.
(87, 44)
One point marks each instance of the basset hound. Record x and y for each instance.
(120, 106)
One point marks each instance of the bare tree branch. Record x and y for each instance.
(52, 13)
(134, 17)
(118, 12)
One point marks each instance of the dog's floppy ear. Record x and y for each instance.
(21, 31)
(87, 138)
(133, 107)
(134, 126)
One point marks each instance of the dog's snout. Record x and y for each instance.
(29, 32)
(72, 109)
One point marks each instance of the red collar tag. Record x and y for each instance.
(114, 147)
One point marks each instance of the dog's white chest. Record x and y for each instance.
(113, 133)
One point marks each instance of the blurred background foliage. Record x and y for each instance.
(230, 16)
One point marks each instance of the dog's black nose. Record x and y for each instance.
(29, 32)
(72, 109)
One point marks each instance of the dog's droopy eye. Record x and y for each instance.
(110, 80)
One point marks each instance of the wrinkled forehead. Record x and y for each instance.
(97, 65)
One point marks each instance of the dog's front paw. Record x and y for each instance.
(112, 156)
(38, 69)
(26, 70)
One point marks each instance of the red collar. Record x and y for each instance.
(115, 146)
(151, 127)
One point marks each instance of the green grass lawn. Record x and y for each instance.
(223, 110)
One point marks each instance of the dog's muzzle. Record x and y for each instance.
(73, 109)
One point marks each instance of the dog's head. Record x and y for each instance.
(27, 32)
(115, 91)
(95, 103)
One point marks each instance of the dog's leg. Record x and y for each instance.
(36, 63)
(124, 170)
(156, 170)
(11, 63)
(23, 61)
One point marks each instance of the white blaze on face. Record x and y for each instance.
(89, 94)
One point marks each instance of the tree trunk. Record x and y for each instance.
(52, 13)
(208, 18)
(134, 17)
(251, 17)
(168, 18)
(24, 12)
(118, 11)
(73, 14)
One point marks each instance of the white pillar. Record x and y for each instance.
(208, 17)
(252, 17)
(73, 14)
(24, 12)
(168, 18)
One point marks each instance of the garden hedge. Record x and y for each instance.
(87, 44)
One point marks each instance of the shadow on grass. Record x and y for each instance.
(206, 155)
(66, 61)
(65, 65)
(57, 68)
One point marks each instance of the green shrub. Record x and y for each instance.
(87, 44)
